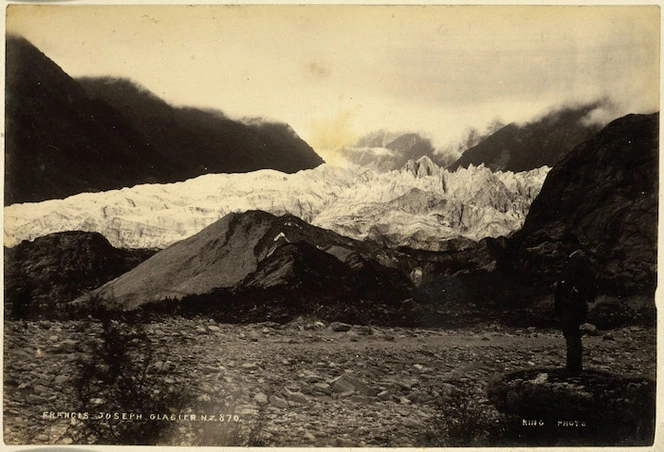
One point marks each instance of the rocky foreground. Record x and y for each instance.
(305, 383)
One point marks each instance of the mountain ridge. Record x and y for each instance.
(243, 252)
(603, 197)
(522, 147)
(61, 141)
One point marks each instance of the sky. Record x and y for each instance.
(337, 72)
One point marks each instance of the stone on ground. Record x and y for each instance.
(347, 384)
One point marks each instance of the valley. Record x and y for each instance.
(279, 380)
(166, 265)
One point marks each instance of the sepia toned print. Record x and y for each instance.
(330, 225)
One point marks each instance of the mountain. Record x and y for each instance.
(59, 267)
(62, 140)
(257, 251)
(524, 147)
(59, 142)
(419, 206)
(603, 194)
(384, 151)
(203, 141)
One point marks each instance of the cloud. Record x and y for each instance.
(329, 135)
(435, 69)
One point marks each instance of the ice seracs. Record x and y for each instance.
(418, 206)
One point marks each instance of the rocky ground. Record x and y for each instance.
(305, 383)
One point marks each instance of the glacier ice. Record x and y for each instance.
(418, 206)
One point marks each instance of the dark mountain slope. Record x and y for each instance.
(62, 141)
(200, 141)
(605, 194)
(256, 251)
(59, 142)
(525, 147)
(301, 279)
(59, 267)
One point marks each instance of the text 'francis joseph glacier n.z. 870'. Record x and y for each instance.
(417, 206)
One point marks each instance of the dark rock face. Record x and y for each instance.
(604, 193)
(525, 147)
(59, 267)
(601, 408)
(65, 137)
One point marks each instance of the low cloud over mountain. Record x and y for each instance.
(544, 141)
(66, 136)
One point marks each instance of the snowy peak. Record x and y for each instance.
(423, 166)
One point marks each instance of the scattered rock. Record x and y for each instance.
(589, 329)
(340, 327)
(385, 395)
(363, 330)
(609, 337)
(161, 366)
(34, 399)
(41, 389)
(322, 387)
(214, 328)
(296, 397)
(261, 398)
(349, 383)
(67, 346)
(307, 436)
(278, 402)
(407, 384)
(412, 423)
(312, 378)
(344, 442)
(613, 405)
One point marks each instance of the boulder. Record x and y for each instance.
(340, 327)
(278, 402)
(589, 329)
(348, 384)
(594, 407)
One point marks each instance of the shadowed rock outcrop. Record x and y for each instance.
(604, 193)
(591, 408)
(59, 267)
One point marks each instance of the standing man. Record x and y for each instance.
(574, 288)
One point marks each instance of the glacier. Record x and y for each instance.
(419, 206)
